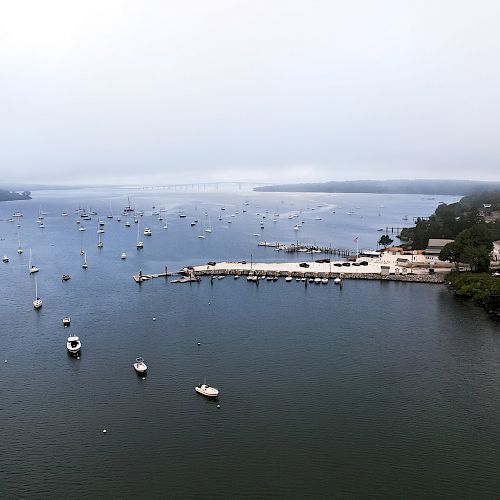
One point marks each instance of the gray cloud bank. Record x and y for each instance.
(282, 91)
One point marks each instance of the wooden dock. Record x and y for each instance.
(140, 276)
(307, 248)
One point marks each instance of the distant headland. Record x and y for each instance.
(13, 195)
(409, 186)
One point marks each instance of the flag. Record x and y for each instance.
(355, 239)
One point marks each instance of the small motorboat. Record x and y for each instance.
(147, 231)
(288, 278)
(5, 259)
(337, 280)
(66, 277)
(73, 345)
(139, 366)
(206, 390)
(66, 321)
(123, 256)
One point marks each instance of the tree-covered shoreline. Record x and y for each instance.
(392, 186)
(465, 223)
(13, 195)
(482, 288)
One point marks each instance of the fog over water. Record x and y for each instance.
(282, 91)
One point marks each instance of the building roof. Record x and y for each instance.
(438, 242)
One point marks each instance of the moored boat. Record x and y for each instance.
(73, 345)
(206, 390)
(140, 367)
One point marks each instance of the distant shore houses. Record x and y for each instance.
(495, 253)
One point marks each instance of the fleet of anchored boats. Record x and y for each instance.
(74, 344)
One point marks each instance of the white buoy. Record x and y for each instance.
(154, 319)
(209, 303)
(199, 343)
(104, 431)
(218, 406)
(5, 361)
(143, 378)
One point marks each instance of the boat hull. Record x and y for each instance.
(208, 392)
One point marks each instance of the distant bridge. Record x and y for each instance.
(202, 186)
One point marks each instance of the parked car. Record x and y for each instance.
(304, 264)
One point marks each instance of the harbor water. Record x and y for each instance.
(372, 389)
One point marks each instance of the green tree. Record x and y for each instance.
(385, 240)
(473, 246)
(449, 253)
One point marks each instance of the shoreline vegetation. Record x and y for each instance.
(473, 223)
(403, 186)
(14, 196)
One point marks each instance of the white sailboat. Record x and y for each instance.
(110, 216)
(209, 228)
(19, 248)
(37, 303)
(84, 265)
(32, 269)
(139, 244)
(100, 244)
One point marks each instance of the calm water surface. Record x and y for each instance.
(378, 389)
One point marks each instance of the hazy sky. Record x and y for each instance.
(171, 91)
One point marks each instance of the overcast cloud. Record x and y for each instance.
(268, 91)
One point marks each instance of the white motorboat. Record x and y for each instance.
(123, 256)
(73, 345)
(5, 259)
(337, 280)
(147, 231)
(206, 390)
(139, 366)
(66, 277)
(127, 224)
(288, 279)
(324, 281)
(66, 321)
(37, 303)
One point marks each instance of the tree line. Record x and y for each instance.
(463, 222)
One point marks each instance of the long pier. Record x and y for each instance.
(372, 271)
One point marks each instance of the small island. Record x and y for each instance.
(13, 195)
